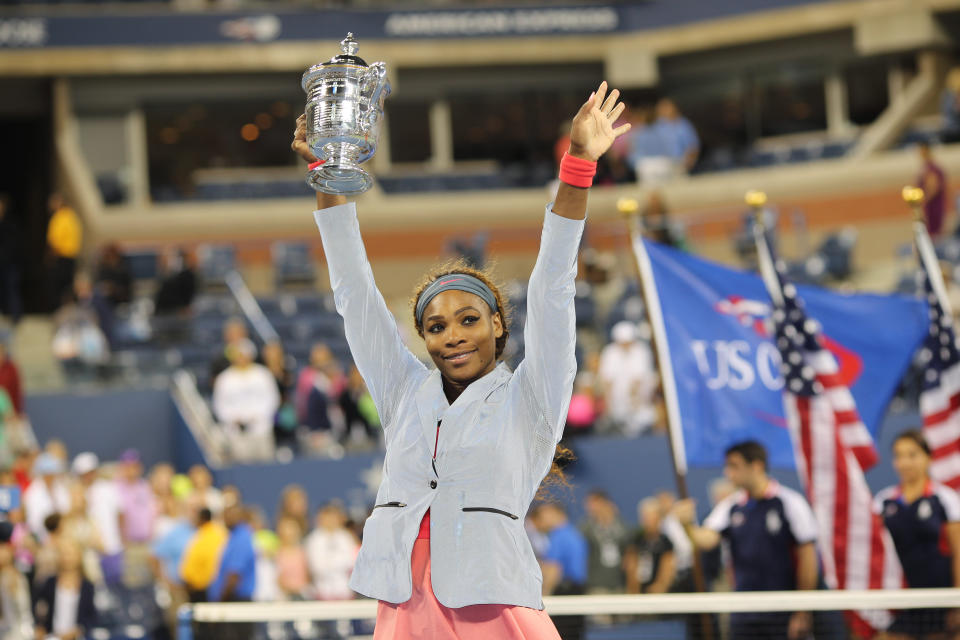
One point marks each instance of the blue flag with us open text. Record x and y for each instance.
(727, 368)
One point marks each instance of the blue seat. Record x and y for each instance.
(292, 264)
(216, 261)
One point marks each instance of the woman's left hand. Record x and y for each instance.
(592, 131)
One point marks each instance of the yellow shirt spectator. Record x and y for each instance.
(202, 557)
(64, 233)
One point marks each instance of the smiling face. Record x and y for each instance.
(460, 333)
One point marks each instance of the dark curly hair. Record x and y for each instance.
(485, 276)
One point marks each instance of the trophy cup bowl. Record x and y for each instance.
(344, 110)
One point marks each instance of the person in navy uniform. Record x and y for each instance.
(923, 518)
(771, 532)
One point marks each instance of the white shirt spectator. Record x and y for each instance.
(331, 556)
(629, 380)
(246, 395)
(41, 500)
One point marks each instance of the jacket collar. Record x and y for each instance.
(432, 403)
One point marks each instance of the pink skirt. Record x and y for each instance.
(422, 617)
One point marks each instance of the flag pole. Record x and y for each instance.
(628, 207)
(927, 255)
(648, 288)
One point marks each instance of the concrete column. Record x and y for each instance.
(838, 111)
(896, 83)
(441, 136)
(137, 159)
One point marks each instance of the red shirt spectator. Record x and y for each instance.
(10, 379)
(933, 181)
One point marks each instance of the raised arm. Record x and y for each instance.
(591, 135)
(375, 343)
(549, 365)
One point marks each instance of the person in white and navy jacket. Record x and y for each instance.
(923, 518)
(771, 532)
(469, 441)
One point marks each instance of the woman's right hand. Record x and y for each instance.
(300, 146)
(299, 143)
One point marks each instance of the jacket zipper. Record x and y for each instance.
(492, 510)
(433, 462)
(390, 504)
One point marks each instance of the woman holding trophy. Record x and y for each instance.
(469, 442)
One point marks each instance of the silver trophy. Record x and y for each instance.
(344, 109)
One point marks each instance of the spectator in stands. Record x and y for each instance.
(651, 152)
(84, 328)
(201, 557)
(649, 561)
(606, 538)
(683, 549)
(48, 551)
(237, 574)
(161, 480)
(79, 527)
(684, 143)
(265, 542)
(923, 517)
(293, 574)
(46, 495)
(88, 298)
(178, 284)
(64, 605)
(10, 377)
(358, 408)
(64, 240)
(584, 410)
(10, 242)
(245, 401)
(933, 181)
(657, 224)
(564, 564)
(280, 365)
(331, 552)
(234, 332)
(629, 381)
(138, 506)
(16, 618)
(114, 279)
(294, 504)
(103, 507)
(950, 107)
(167, 553)
(7, 420)
(607, 284)
(318, 387)
(771, 532)
(203, 489)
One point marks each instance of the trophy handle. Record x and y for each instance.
(377, 74)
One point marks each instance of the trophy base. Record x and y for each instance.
(339, 177)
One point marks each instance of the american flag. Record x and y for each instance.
(940, 393)
(856, 550)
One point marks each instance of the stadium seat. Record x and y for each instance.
(292, 264)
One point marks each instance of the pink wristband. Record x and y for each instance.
(314, 165)
(577, 172)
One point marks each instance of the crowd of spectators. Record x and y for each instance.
(268, 411)
(83, 530)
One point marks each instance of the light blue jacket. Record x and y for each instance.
(496, 442)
